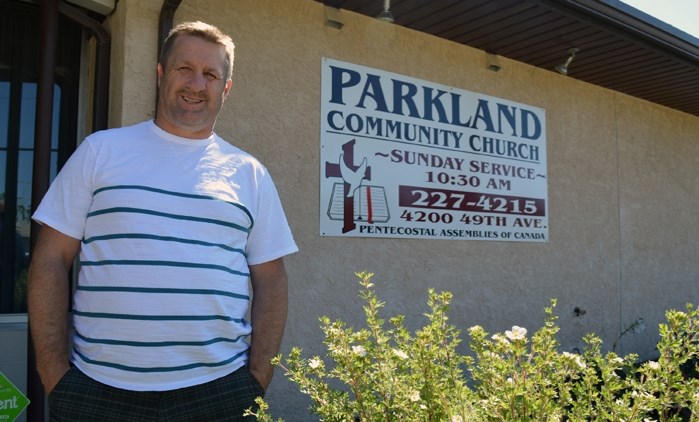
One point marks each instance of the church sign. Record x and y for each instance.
(407, 158)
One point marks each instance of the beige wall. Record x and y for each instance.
(623, 181)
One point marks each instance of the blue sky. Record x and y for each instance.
(682, 14)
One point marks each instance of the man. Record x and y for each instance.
(173, 226)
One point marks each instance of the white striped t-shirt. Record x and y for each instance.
(168, 228)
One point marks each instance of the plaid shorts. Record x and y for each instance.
(79, 398)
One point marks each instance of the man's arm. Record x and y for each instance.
(48, 292)
(268, 316)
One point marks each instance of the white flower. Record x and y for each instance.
(414, 396)
(500, 339)
(315, 363)
(653, 365)
(457, 418)
(491, 355)
(642, 395)
(359, 351)
(475, 328)
(579, 362)
(401, 354)
(517, 333)
(575, 358)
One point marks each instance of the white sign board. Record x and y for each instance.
(407, 158)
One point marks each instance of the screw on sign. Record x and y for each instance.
(12, 401)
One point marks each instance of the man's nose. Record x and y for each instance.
(197, 82)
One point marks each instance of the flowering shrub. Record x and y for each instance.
(384, 373)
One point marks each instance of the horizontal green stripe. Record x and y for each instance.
(158, 343)
(161, 238)
(180, 194)
(161, 263)
(161, 368)
(162, 290)
(167, 215)
(156, 317)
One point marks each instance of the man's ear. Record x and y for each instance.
(227, 88)
(160, 73)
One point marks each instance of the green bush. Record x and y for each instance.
(384, 373)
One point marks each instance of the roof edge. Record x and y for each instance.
(628, 21)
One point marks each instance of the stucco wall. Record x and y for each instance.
(622, 178)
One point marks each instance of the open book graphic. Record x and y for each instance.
(370, 204)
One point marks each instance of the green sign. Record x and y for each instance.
(12, 401)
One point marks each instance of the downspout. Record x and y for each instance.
(42, 142)
(167, 16)
(40, 170)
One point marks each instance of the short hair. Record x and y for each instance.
(202, 30)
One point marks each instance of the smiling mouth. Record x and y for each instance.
(190, 100)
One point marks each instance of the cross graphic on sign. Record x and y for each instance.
(333, 170)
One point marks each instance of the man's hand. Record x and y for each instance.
(50, 380)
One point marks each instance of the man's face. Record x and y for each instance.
(193, 86)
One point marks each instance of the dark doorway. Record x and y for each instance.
(19, 48)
